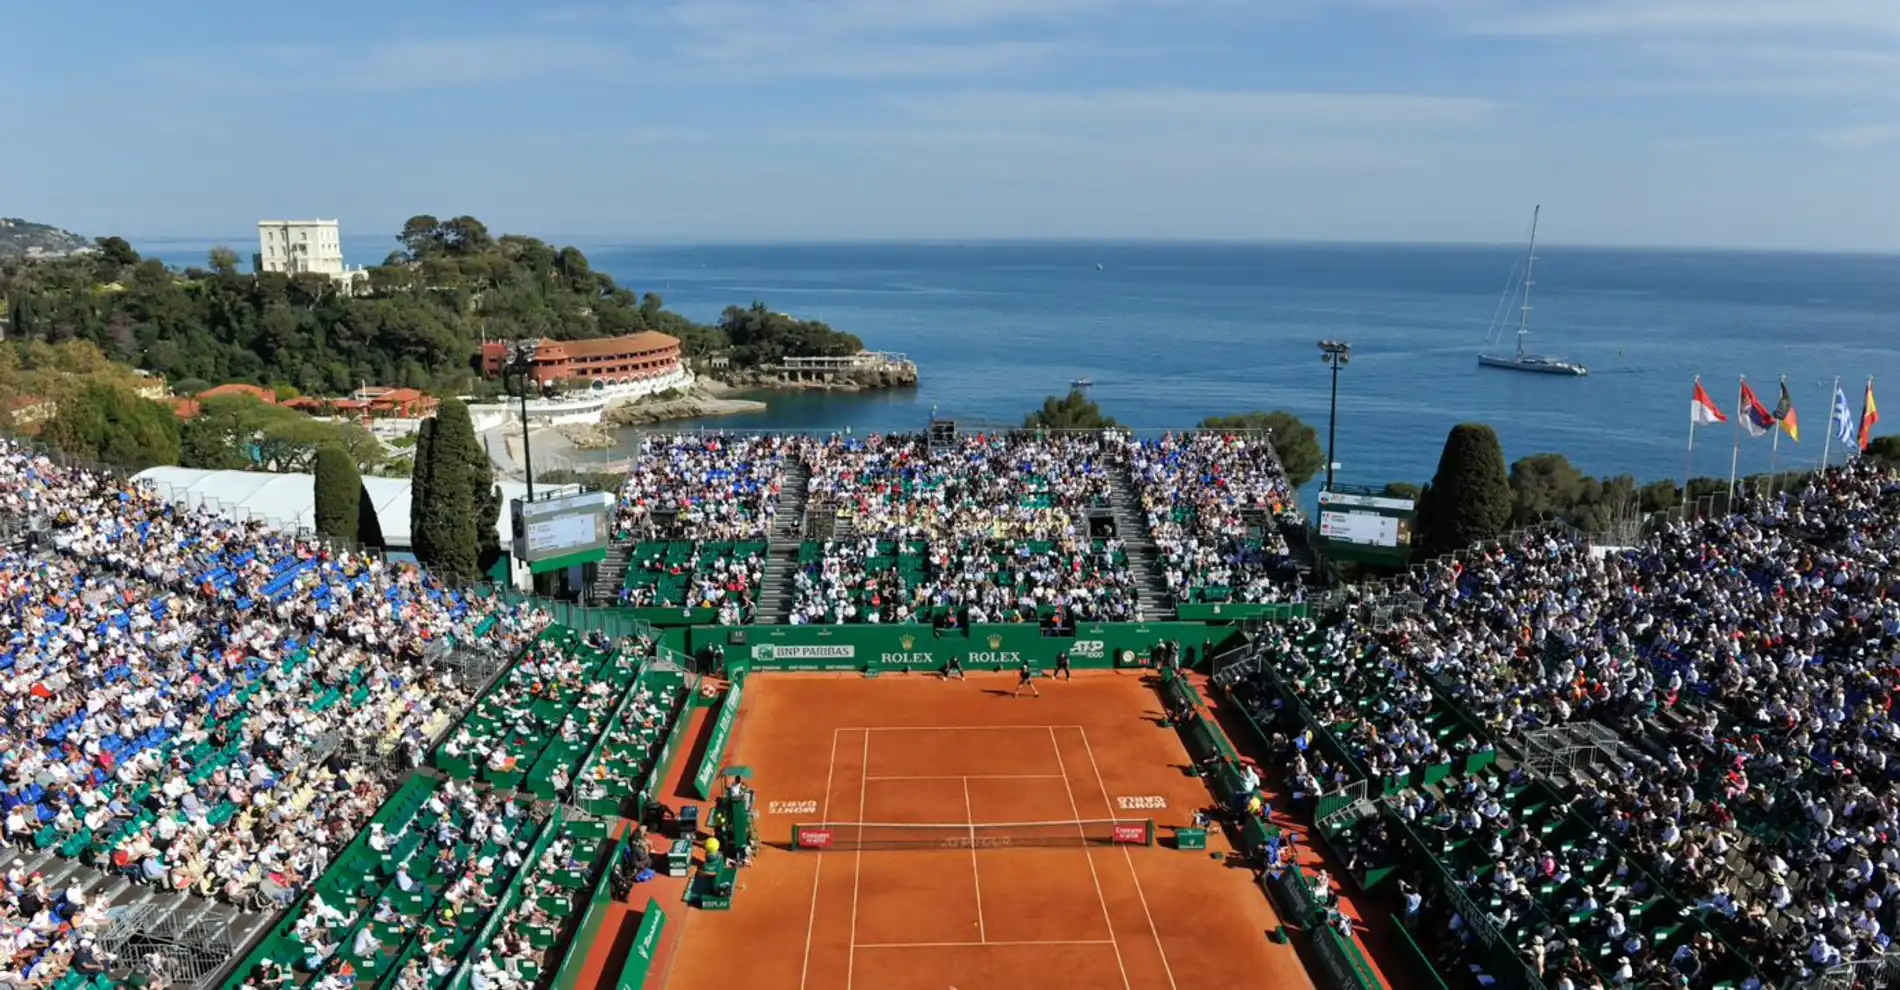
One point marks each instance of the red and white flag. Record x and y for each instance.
(1702, 410)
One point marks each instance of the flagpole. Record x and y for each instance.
(1833, 401)
(1773, 481)
(1736, 456)
(1774, 444)
(1860, 428)
(1688, 466)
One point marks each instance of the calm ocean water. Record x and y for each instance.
(1173, 333)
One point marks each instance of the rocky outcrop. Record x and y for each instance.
(694, 404)
(859, 380)
(585, 437)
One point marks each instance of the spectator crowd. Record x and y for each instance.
(1003, 527)
(179, 688)
(1199, 491)
(1749, 664)
(992, 528)
(710, 487)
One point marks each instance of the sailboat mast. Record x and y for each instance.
(1530, 263)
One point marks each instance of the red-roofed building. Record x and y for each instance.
(27, 410)
(371, 402)
(264, 395)
(609, 360)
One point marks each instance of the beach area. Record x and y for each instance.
(593, 446)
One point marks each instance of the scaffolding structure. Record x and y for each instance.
(1558, 751)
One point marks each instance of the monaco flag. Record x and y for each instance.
(1702, 410)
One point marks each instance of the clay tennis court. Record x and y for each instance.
(923, 751)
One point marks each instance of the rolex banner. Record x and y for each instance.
(917, 648)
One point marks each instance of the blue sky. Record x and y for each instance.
(1743, 123)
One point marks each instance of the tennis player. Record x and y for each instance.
(1026, 678)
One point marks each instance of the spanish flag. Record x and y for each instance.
(1784, 414)
(1869, 415)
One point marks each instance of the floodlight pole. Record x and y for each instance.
(1337, 354)
(521, 363)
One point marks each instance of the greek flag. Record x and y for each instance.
(1843, 420)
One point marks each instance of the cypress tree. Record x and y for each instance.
(422, 508)
(1470, 496)
(369, 529)
(480, 472)
(339, 494)
(444, 518)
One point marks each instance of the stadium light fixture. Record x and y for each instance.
(1337, 354)
(521, 365)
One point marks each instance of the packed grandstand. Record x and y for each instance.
(988, 528)
(1742, 829)
(178, 683)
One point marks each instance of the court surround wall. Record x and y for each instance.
(907, 648)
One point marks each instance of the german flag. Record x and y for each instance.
(1784, 414)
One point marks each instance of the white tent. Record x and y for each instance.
(288, 501)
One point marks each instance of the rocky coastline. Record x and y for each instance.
(861, 380)
(703, 399)
(709, 397)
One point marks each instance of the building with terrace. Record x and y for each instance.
(604, 361)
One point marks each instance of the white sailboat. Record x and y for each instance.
(1523, 360)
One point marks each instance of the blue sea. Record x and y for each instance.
(1172, 333)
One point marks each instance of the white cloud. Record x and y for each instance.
(1796, 48)
(1044, 138)
(402, 64)
(746, 40)
(1658, 18)
(1819, 70)
(1137, 110)
(482, 60)
(1861, 137)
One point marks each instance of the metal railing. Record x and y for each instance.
(1880, 971)
(154, 941)
(1559, 749)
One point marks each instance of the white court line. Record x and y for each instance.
(966, 777)
(857, 870)
(950, 728)
(976, 875)
(811, 919)
(1089, 855)
(1126, 855)
(974, 945)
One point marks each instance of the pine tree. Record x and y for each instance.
(339, 494)
(1470, 496)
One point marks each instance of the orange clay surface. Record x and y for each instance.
(916, 748)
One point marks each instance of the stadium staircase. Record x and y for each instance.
(1131, 524)
(611, 575)
(1305, 559)
(781, 563)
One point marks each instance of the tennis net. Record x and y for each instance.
(981, 835)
